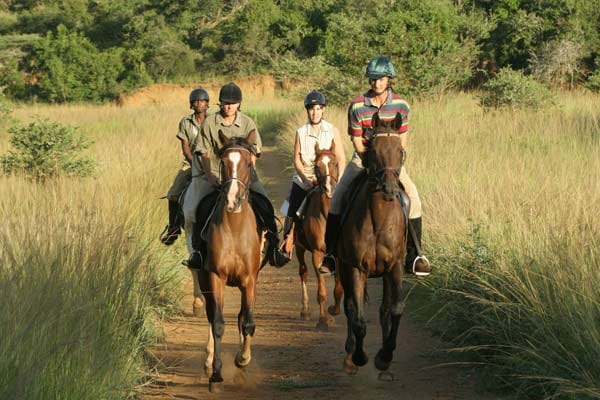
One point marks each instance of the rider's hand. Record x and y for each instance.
(212, 180)
(307, 182)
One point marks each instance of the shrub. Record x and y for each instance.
(513, 89)
(46, 149)
(593, 82)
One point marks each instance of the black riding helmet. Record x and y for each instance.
(230, 93)
(198, 94)
(314, 97)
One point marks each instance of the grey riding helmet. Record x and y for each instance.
(314, 97)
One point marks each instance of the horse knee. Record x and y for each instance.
(218, 329)
(398, 308)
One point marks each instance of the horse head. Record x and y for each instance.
(326, 169)
(236, 168)
(386, 156)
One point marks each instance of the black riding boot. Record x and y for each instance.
(331, 235)
(173, 230)
(421, 266)
(200, 249)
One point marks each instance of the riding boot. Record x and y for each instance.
(331, 235)
(173, 229)
(416, 262)
(285, 249)
(199, 248)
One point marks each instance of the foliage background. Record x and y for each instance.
(93, 50)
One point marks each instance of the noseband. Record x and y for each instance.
(228, 182)
(322, 178)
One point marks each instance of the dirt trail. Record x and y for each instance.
(290, 358)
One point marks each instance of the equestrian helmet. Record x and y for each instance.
(230, 93)
(379, 67)
(314, 97)
(198, 94)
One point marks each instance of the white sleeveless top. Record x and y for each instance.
(308, 139)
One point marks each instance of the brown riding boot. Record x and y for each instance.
(285, 250)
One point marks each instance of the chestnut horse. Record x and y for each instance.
(234, 254)
(310, 232)
(373, 244)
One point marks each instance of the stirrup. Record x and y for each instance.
(325, 267)
(414, 265)
(168, 237)
(195, 261)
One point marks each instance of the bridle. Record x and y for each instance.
(321, 179)
(227, 183)
(377, 176)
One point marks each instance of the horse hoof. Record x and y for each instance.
(215, 387)
(208, 370)
(360, 359)
(381, 363)
(242, 362)
(305, 315)
(198, 311)
(322, 325)
(333, 310)
(349, 367)
(386, 376)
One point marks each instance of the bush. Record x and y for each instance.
(513, 89)
(46, 149)
(593, 82)
(71, 68)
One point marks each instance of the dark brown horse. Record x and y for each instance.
(373, 244)
(310, 233)
(234, 254)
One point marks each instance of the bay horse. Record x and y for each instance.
(234, 254)
(310, 232)
(373, 244)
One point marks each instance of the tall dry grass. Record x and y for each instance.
(511, 218)
(83, 277)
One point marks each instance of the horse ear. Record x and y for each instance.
(224, 139)
(251, 139)
(375, 121)
(398, 121)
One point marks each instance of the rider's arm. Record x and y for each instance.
(359, 146)
(298, 164)
(210, 177)
(187, 151)
(340, 154)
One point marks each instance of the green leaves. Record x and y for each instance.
(46, 149)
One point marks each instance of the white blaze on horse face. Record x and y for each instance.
(234, 188)
(328, 181)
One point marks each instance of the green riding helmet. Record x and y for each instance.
(379, 67)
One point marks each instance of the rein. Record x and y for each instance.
(378, 175)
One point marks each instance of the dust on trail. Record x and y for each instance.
(290, 358)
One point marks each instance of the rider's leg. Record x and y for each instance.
(415, 262)
(173, 229)
(198, 190)
(295, 198)
(268, 216)
(332, 229)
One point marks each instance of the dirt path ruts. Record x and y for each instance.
(290, 358)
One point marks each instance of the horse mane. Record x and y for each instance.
(236, 142)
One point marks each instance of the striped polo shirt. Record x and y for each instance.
(362, 109)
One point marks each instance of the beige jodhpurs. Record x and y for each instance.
(354, 168)
(179, 184)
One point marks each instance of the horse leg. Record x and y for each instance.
(317, 259)
(246, 324)
(205, 291)
(303, 272)
(359, 324)
(392, 308)
(218, 329)
(349, 310)
(338, 291)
